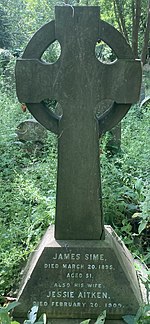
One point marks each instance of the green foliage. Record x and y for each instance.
(20, 19)
(7, 67)
(5, 37)
(126, 200)
(5, 57)
(100, 320)
(32, 317)
(52, 54)
(4, 313)
(104, 53)
(142, 316)
(25, 17)
(5, 317)
(27, 200)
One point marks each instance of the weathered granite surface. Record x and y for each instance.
(79, 83)
(31, 130)
(79, 279)
(83, 268)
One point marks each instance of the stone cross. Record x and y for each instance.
(79, 83)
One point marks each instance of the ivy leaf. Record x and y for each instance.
(42, 319)
(3, 310)
(137, 215)
(32, 315)
(129, 319)
(4, 318)
(9, 307)
(139, 314)
(86, 321)
(12, 305)
(138, 185)
(101, 318)
(142, 226)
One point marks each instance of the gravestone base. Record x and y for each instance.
(75, 280)
(74, 321)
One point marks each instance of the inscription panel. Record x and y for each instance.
(72, 281)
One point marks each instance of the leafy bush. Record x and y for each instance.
(27, 200)
(125, 179)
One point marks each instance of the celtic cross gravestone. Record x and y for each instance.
(82, 268)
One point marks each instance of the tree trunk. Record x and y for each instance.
(146, 36)
(117, 17)
(133, 20)
(122, 19)
(136, 7)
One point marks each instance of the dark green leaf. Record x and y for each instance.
(129, 319)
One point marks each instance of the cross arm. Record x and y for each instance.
(123, 83)
(40, 80)
(120, 81)
(38, 85)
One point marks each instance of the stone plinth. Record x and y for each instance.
(75, 280)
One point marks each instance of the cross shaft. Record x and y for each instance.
(78, 81)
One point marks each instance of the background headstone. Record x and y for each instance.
(31, 131)
(32, 136)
